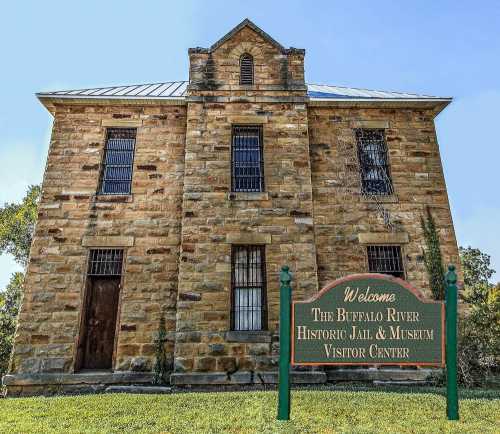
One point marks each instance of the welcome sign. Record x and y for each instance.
(368, 319)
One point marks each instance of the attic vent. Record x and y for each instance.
(246, 69)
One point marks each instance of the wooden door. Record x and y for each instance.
(100, 323)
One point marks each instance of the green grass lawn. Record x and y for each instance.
(249, 412)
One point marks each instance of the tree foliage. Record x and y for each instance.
(433, 259)
(17, 224)
(479, 331)
(10, 300)
(477, 270)
(479, 342)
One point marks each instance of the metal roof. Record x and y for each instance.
(176, 90)
(168, 89)
(322, 91)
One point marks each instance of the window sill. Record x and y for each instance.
(390, 198)
(240, 195)
(114, 198)
(243, 336)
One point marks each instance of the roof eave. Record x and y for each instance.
(49, 100)
(438, 104)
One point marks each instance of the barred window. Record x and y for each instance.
(247, 159)
(116, 175)
(248, 281)
(105, 262)
(373, 161)
(246, 69)
(386, 260)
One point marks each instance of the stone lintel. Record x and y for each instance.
(383, 238)
(370, 124)
(78, 378)
(248, 238)
(248, 119)
(248, 336)
(110, 241)
(130, 123)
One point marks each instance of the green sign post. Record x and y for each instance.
(451, 344)
(367, 319)
(284, 367)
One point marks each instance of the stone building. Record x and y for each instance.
(184, 199)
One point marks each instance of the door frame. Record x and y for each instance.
(78, 353)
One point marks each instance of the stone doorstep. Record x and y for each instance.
(125, 377)
(400, 375)
(244, 377)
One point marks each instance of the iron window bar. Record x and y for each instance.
(373, 161)
(246, 69)
(248, 288)
(386, 260)
(116, 177)
(105, 262)
(247, 163)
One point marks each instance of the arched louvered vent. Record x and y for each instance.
(246, 69)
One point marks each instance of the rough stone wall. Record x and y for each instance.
(418, 181)
(280, 218)
(72, 219)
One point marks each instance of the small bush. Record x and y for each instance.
(161, 369)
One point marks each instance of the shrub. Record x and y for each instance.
(161, 364)
(479, 342)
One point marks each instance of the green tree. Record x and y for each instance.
(17, 224)
(477, 270)
(10, 301)
(433, 259)
(479, 331)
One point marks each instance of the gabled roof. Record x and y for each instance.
(247, 23)
(176, 90)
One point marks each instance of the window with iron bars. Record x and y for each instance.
(247, 159)
(386, 260)
(246, 69)
(105, 262)
(373, 161)
(116, 174)
(248, 287)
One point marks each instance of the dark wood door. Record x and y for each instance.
(100, 323)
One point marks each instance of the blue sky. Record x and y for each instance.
(444, 48)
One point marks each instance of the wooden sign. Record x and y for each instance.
(368, 319)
